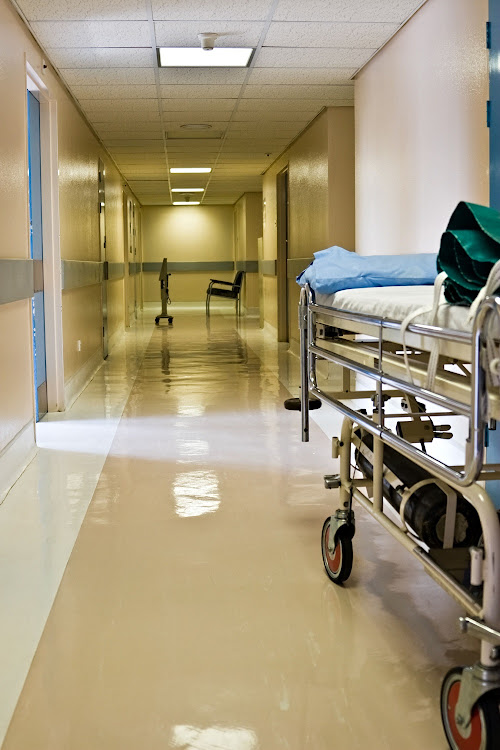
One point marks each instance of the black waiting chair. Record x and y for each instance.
(226, 289)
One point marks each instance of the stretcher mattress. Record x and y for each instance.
(396, 302)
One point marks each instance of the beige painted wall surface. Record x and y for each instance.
(247, 230)
(82, 322)
(115, 307)
(78, 152)
(13, 137)
(16, 383)
(341, 177)
(321, 197)
(186, 234)
(421, 136)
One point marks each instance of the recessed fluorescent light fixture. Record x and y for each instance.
(188, 190)
(190, 170)
(195, 57)
(186, 203)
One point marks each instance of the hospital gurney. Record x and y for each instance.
(434, 366)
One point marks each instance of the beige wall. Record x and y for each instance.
(247, 230)
(421, 135)
(78, 154)
(186, 234)
(321, 199)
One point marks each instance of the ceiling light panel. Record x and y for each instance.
(232, 33)
(190, 170)
(93, 33)
(186, 203)
(195, 57)
(84, 10)
(322, 11)
(187, 190)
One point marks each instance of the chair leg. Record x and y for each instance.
(207, 305)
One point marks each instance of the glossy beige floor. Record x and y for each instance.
(194, 612)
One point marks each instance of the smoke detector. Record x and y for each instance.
(207, 40)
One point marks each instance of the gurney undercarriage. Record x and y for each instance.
(413, 382)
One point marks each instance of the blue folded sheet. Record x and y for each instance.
(335, 269)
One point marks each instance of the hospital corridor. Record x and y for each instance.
(194, 611)
(250, 375)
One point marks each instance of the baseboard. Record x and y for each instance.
(251, 312)
(15, 457)
(81, 379)
(270, 329)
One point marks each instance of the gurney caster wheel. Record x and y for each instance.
(338, 565)
(483, 732)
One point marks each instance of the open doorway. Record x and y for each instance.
(36, 254)
(43, 194)
(102, 243)
(282, 217)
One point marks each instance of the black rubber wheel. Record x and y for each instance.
(484, 729)
(338, 565)
(157, 321)
(293, 404)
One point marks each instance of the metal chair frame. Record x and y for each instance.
(233, 293)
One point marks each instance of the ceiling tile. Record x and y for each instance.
(279, 105)
(84, 10)
(127, 112)
(112, 133)
(376, 11)
(198, 105)
(218, 119)
(324, 93)
(108, 76)
(185, 33)
(306, 34)
(103, 57)
(202, 76)
(301, 75)
(283, 57)
(274, 116)
(92, 33)
(121, 92)
(215, 10)
(127, 120)
(195, 91)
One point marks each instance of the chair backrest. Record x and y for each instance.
(238, 279)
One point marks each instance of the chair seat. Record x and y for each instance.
(223, 293)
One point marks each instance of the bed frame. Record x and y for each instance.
(372, 347)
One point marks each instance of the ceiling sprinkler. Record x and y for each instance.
(207, 40)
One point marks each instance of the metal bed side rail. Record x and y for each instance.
(476, 411)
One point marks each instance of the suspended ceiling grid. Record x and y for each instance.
(306, 54)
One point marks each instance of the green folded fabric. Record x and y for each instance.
(469, 249)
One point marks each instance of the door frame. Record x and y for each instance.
(50, 236)
(282, 243)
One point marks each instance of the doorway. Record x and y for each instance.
(102, 242)
(36, 254)
(282, 218)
